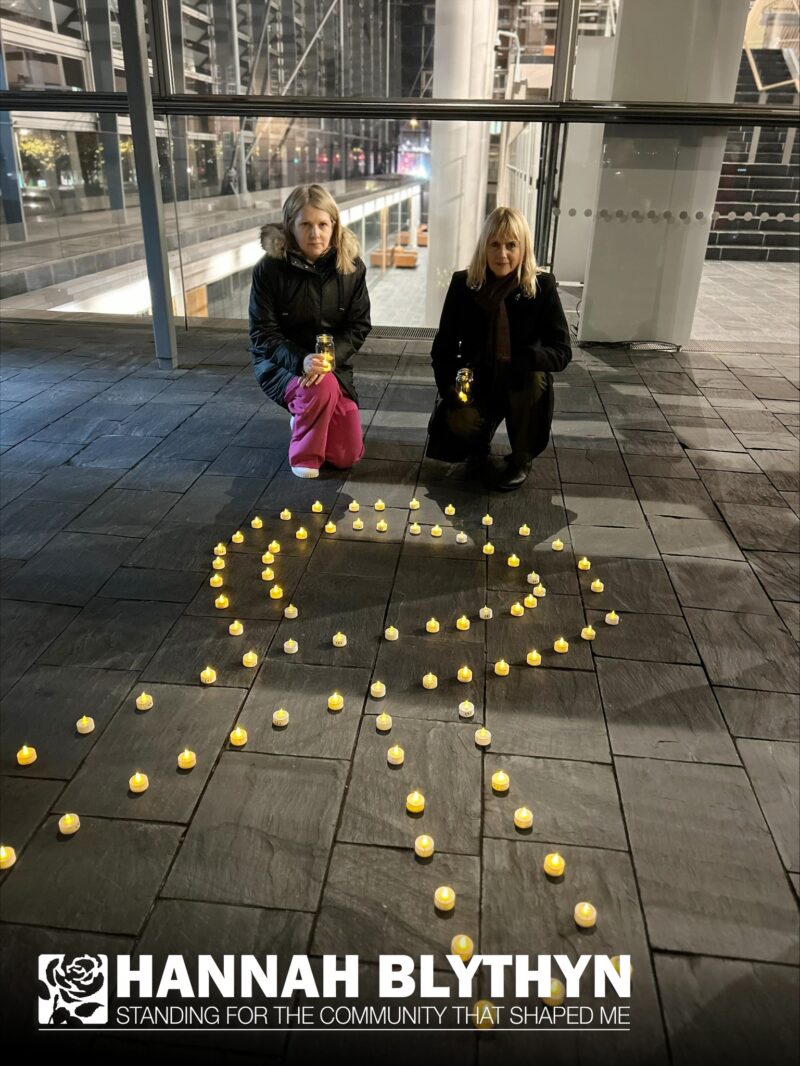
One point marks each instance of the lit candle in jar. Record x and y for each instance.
(250, 659)
(612, 618)
(584, 564)
(513, 560)
(26, 755)
(377, 690)
(280, 718)
(381, 526)
(358, 524)
(238, 537)
(139, 782)
(523, 818)
(395, 756)
(530, 601)
(144, 701)
(68, 824)
(485, 613)
(415, 802)
(220, 549)
(267, 558)
(215, 581)
(539, 591)
(290, 611)
(391, 633)
(588, 633)
(316, 506)
(187, 759)
(432, 625)
(488, 548)
(274, 547)
(597, 585)
(444, 898)
(464, 674)
(483, 738)
(436, 531)
(218, 563)
(554, 864)
(290, 646)
(285, 514)
(335, 702)
(221, 602)
(413, 504)
(585, 915)
(500, 781)
(353, 506)
(461, 537)
(383, 722)
(256, 522)
(487, 520)
(301, 533)
(276, 592)
(339, 640)
(267, 574)
(466, 709)
(561, 646)
(501, 668)
(85, 725)
(380, 505)
(7, 856)
(524, 530)
(424, 846)
(208, 675)
(557, 993)
(517, 610)
(449, 509)
(462, 946)
(238, 737)
(430, 681)
(330, 527)
(533, 658)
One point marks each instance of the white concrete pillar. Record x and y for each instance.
(463, 64)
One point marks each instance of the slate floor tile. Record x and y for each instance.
(424, 589)
(124, 513)
(13, 485)
(286, 490)
(773, 528)
(273, 818)
(115, 451)
(247, 592)
(745, 650)
(663, 711)
(198, 717)
(247, 462)
(593, 468)
(139, 583)
(26, 630)
(178, 546)
(665, 466)
(512, 638)
(442, 762)
(778, 572)
(761, 715)
(706, 438)
(790, 613)
(70, 569)
(74, 883)
(394, 517)
(780, 467)
(739, 486)
(469, 498)
(256, 541)
(774, 770)
(678, 497)
(550, 713)
(717, 584)
(641, 442)
(370, 559)
(694, 536)
(602, 505)
(163, 475)
(639, 585)
(27, 525)
(722, 461)
(401, 665)
(572, 802)
(610, 542)
(195, 642)
(23, 806)
(78, 484)
(648, 637)
(541, 509)
(114, 634)
(34, 456)
(392, 481)
(728, 1009)
(393, 909)
(709, 875)
(220, 499)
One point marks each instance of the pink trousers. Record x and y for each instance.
(327, 426)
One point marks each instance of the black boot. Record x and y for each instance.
(514, 475)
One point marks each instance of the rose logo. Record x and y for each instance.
(72, 989)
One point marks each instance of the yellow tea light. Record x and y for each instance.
(276, 592)
(381, 526)
(220, 549)
(533, 658)
(539, 591)
(597, 585)
(301, 533)
(424, 846)
(464, 674)
(432, 626)
(391, 633)
(238, 537)
(267, 558)
(267, 574)
(450, 509)
(221, 602)
(339, 640)
(466, 709)
(523, 818)
(7, 856)
(85, 724)
(533, 578)
(215, 581)
(461, 537)
(483, 738)
(415, 802)
(517, 610)
(436, 531)
(330, 527)
(380, 505)
(316, 506)
(335, 701)
(530, 601)
(414, 504)
(430, 681)
(487, 520)
(285, 515)
(561, 646)
(238, 737)
(139, 782)
(187, 759)
(415, 529)
(444, 898)
(208, 675)
(395, 756)
(26, 755)
(383, 722)
(462, 946)
(353, 506)
(501, 668)
(557, 993)
(584, 564)
(290, 646)
(377, 690)
(273, 547)
(256, 522)
(484, 1014)
(463, 623)
(144, 701)
(513, 560)
(585, 915)
(358, 525)
(485, 613)
(612, 618)
(554, 864)
(280, 718)
(588, 633)
(218, 563)
(500, 781)
(250, 659)
(290, 611)
(69, 824)
(488, 548)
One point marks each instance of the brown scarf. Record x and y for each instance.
(491, 297)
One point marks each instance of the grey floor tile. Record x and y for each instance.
(678, 497)
(423, 588)
(648, 637)
(641, 442)
(79, 484)
(781, 467)
(163, 475)
(247, 462)
(274, 834)
(23, 806)
(660, 466)
(775, 528)
(13, 485)
(391, 481)
(511, 638)
(35, 456)
(607, 541)
(424, 546)
(247, 592)
(778, 572)
(639, 585)
(709, 875)
(722, 461)
(115, 451)
(138, 583)
(124, 513)
(745, 650)
(27, 525)
(26, 630)
(196, 642)
(739, 486)
(790, 613)
(694, 536)
(70, 569)
(717, 584)
(602, 505)
(542, 510)
(663, 711)
(339, 557)
(761, 715)
(401, 665)
(593, 468)
(218, 498)
(774, 770)
(704, 438)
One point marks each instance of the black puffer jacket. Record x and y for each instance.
(291, 301)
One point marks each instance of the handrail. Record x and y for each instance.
(789, 38)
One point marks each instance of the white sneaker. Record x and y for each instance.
(291, 424)
(305, 471)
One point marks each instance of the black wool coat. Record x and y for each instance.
(291, 301)
(540, 341)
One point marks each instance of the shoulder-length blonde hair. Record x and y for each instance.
(342, 239)
(505, 223)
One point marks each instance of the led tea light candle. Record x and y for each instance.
(139, 782)
(339, 640)
(238, 537)
(256, 522)
(280, 718)
(430, 681)
(463, 623)
(238, 737)
(221, 602)
(585, 915)
(377, 690)
(415, 802)
(7, 856)
(301, 533)
(532, 578)
(557, 993)
(484, 1014)
(487, 520)
(424, 846)
(358, 525)
(597, 585)
(501, 668)
(533, 658)
(26, 755)
(220, 549)
(612, 618)
(436, 531)
(488, 548)
(316, 507)
(539, 591)
(381, 526)
(85, 724)
(466, 709)
(444, 898)
(584, 564)
(483, 738)
(68, 824)
(335, 701)
(462, 946)
(267, 574)
(250, 659)
(215, 581)
(218, 563)
(530, 601)
(588, 633)
(380, 505)
(236, 628)
(415, 529)
(432, 626)
(395, 756)
(464, 674)
(273, 547)
(208, 675)
(353, 506)
(500, 781)
(285, 515)
(561, 646)
(276, 592)
(485, 613)
(523, 818)
(330, 527)
(383, 722)
(524, 530)
(187, 759)
(554, 864)
(413, 504)
(513, 561)
(391, 633)
(267, 558)
(461, 537)
(144, 701)
(517, 610)
(290, 646)
(450, 509)
(290, 611)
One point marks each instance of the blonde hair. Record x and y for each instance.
(342, 239)
(505, 222)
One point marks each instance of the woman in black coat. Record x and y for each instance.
(309, 314)
(502, 324)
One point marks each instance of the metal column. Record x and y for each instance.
(140, 103)
(9, 169)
